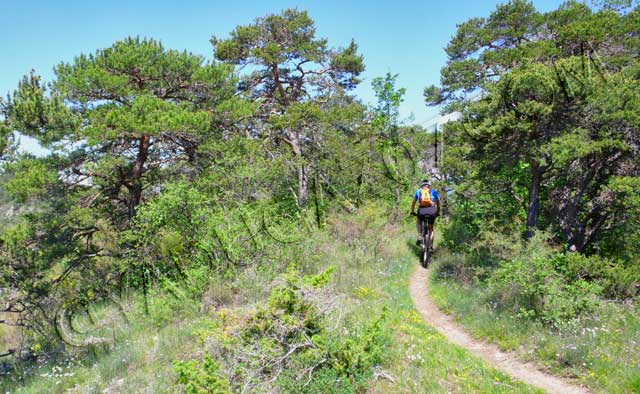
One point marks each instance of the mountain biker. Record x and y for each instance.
(428, 202)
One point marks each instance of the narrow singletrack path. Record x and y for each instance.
(490, 353)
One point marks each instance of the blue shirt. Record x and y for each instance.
(434, 195)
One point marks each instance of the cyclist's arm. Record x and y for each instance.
(413, 205)
(438, 206)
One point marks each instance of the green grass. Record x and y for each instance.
(601, 350)
(138, 361)
(424, 361)
(372, 261)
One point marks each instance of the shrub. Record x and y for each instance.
(287, 342)
(533, 288)
(487, 251)
(201, 377)
(618, 280)
(338, 363)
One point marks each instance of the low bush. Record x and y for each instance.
(618, 280)
(534, 288)
(297, 349)
(201, 378)
(535, 279)
(536, 283)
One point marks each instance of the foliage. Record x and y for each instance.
(118, 123)
(389, 100)
(533, 288)
(6, 137)
(167, 170)
(174, 178)
(29, 178)
(130, 110)
(142, 185)
(394, 148)
(548, 105)
(534, 279)
(617, 280)
(369, 256)
(290, 333)
(202, 378)
(599, 347)
(296, 74)
(547, 139)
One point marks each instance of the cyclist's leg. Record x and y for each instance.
(419, 228)
(432, 233)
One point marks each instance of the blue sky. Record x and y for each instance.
(404, 37)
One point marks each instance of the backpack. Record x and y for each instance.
(425, 197)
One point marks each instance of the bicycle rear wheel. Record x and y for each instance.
(425, 254)
(424, 257)
(426, 251)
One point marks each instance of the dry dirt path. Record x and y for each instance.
(490, 353)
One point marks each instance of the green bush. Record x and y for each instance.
(490, 247)
(534, 288)
(536, 280)
(338, 363)
(201, 377)
(618, 281)
(298, 350)
(475, 217)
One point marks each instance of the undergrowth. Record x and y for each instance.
(562, 325)
(330, 314)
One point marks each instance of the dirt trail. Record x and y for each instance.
(490, 353)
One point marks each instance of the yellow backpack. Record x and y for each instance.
(425, 197)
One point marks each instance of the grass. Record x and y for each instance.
(372, 260)
(601, 350)
(139, 360)
(374, 263)
(424, 361)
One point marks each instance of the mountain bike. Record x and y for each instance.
(425, 252)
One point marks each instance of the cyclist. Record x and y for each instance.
(428, 202)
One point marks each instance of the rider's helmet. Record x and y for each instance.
(425, 182)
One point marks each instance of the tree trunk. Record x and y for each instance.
(435, 148)
(444, 205)
(362, 180)
(332, 191)
(584, 230)
(303, 186)
(397, 175)
(318, 199)
(303, 179)
(135, 192)
(533, 209)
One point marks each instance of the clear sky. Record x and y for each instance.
(404, 37)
